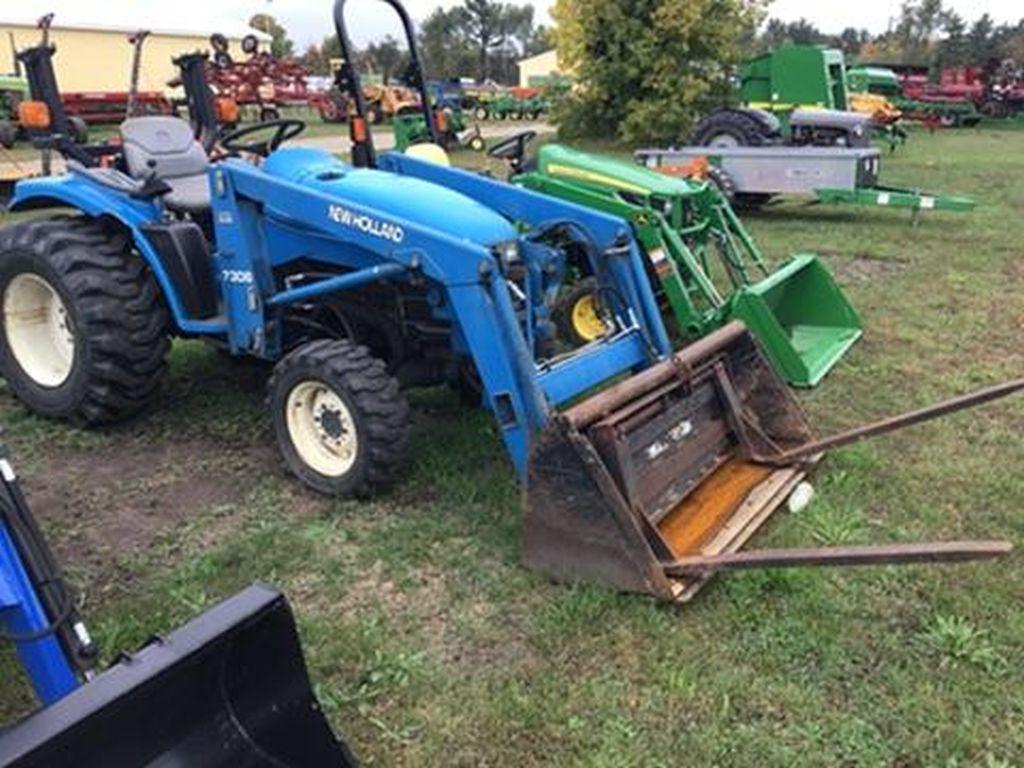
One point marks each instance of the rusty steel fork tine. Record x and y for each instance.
(891, 424)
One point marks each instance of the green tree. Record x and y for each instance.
(280, 44)
(446, 51)
(980, 40)
(484, 24)
(646, 69)
(851, 40)
(388, 58)
(954, 50)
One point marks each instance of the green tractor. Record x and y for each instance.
(411, 128)
(801, 91)
(707, 267)
(13, 90)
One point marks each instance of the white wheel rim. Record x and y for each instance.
(321, 428)
(38, 330)
(724, 140)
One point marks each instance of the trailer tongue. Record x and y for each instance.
(655, 483)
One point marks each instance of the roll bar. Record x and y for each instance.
(364, 154)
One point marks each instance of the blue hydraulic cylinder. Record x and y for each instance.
(26, 623)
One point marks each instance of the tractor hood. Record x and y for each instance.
(13, 83)
(403, 197)
(561, 162)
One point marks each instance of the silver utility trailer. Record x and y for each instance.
(830, 174)
(780, 170)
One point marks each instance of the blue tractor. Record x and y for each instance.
(355, 280)
(359, 280)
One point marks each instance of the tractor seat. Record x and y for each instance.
(166, 147)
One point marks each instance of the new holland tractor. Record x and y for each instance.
(228, 689)
(357, 280)
(706, 267)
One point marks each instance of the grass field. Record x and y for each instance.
(430, 645)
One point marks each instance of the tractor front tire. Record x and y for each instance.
(340, 420)
(84, 331)
(578, 314)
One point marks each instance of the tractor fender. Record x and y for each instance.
(771, 123)
(69, 191)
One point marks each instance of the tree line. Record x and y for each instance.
(925, 33)
(480, 39)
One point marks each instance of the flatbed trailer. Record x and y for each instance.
(829, 174)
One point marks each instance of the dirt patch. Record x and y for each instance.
(106, 507)
(865, 269)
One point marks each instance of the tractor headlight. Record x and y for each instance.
(507, 254)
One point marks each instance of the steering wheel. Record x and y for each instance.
(283, 130)
(513, 149)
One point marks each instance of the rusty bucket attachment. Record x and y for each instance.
(655, 483)
(653, 469)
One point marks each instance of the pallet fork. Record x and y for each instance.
(656, 483)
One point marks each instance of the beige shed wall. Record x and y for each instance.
(538, 66)
(101, 60)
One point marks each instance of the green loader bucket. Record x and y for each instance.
(802, 319)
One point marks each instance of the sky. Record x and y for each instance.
(308, 21)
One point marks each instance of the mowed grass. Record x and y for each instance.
(429, 645)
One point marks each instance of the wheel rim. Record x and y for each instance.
(586, 320)
(38, 330)
(321, 428)
(724, 140)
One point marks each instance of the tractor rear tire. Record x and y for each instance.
(481, 113)
(730, 128)
(84, 335)
(723, 182)
(340, 420)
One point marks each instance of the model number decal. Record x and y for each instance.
(236, 277)
(371, 226)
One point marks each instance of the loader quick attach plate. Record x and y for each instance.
(227, 690)
(656, 468)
